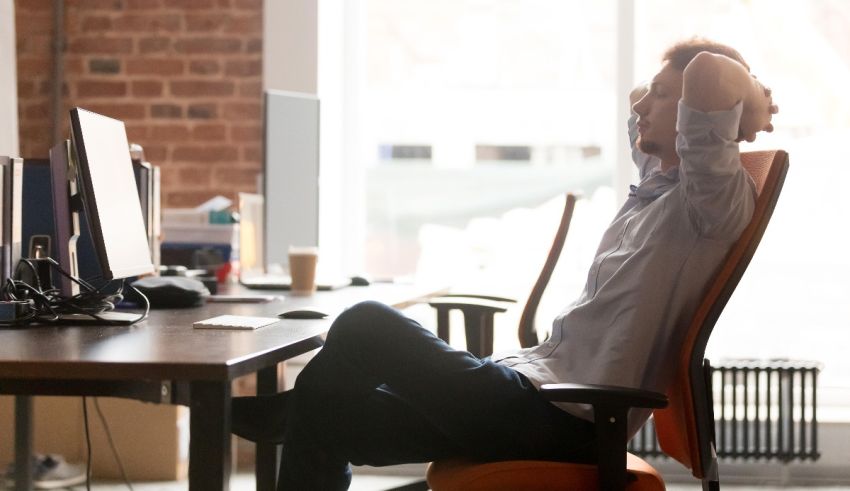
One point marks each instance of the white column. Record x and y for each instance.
(624, 170)
(290, 45)
(8, 81)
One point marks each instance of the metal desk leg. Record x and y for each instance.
(23, 443)
(209, 437)
(267, 457)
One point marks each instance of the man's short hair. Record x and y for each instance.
(681, 53)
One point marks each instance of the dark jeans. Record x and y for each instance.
(385, 391)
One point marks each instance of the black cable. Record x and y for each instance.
(88, 444)
(112, 445)
(46, 306)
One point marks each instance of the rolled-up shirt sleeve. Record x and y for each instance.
(644, 162)
(718, 192)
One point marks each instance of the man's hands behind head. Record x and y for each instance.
(758, 111)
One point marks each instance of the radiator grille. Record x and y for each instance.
(762, 410)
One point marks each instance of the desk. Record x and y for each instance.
(165, 360)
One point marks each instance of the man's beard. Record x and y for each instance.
(648, 147)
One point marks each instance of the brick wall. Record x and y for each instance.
(184, 75)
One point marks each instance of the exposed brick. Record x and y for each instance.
(32, 5)
(104, 65)
(204, 67)
(252, 153)
(38, 44)
(96, 23)
(146, 23)
(207, 153)
(208, 45)
(32, 67)
(249, 4)
(73, 65)
(26, 89)
(94, 4)
(189, 4)
(190, 199)
(254, 46)
(142, 4)
(240, 134)
(122, 111)
(205, 22)
(195, 176)
(37, 111)
(231, 177)
(100, 45)
(35, 23)
(201, 88)
(166, 111)
(245, 24)
(243, 110)
(217, 132)
(251, 89)
(156, 153)
(98, 88)
(146, 88)
(203, 111)
(243, 68)
(154, 45)
(154, 66)
(169, 133)
(136, 132)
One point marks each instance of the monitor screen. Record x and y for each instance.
(109, 194)
(291, 173)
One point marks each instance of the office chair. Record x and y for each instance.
(479, 310)
(684, 418)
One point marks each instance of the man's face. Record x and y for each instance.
(657, 111)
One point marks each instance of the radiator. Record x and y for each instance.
(762, 410)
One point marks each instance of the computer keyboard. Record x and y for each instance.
(234, 322)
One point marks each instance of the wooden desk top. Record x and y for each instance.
(167, 347)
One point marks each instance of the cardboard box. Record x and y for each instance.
(152, 440)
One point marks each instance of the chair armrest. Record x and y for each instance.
(482, 297)
(603, 395)
(468, 303)
(610, 413)
(478, 312)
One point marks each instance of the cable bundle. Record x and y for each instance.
(49, 305)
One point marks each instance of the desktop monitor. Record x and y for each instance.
(291, 173)
(94, 174)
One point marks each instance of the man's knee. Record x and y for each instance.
(358, 320)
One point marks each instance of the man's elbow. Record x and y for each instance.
(712, 82)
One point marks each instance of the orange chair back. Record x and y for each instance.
(686, 427)
(527, 331)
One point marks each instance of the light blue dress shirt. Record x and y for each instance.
(652, 266)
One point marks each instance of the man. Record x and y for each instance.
(385, 391)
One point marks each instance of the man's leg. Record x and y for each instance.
(383, 390)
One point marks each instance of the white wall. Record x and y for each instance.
(8, 81)
(290, 44)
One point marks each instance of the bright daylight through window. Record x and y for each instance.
(477, 115)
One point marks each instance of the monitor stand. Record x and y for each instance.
(66, 210)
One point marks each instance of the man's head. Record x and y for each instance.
(658, 108)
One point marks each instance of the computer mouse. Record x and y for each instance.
(303, 314)
(359, 281)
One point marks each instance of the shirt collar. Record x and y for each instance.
(655, 183)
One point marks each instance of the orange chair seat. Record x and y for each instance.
(533, 475)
